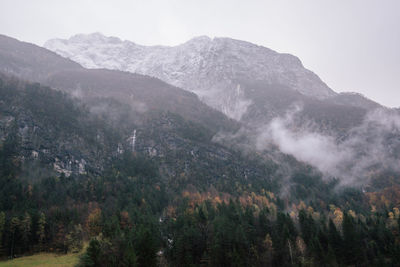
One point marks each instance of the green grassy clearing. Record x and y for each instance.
(43, 259)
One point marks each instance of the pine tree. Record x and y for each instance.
(25, 227)
(129, 258)
(335, 240)
(41, 234)
(351, 244)
(146, 248)
(14, 225)
(2, 224)
(92, 255)
(73, 240)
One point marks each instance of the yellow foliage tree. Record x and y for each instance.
(93, 222)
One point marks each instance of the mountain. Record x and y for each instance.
(149, 175)
(214, 69)
(276, 100)
(160, 118)
(247, 82)
(139, 113)
(30, 62)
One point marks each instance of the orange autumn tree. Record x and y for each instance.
(93, 222)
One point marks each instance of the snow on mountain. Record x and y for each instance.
(214, 69)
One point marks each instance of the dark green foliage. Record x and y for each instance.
(136, 203)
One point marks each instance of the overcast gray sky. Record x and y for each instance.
(353, 45)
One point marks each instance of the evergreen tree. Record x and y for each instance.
(146, 248)
(14, 225)
(335, 240)
(25, 229)
(2, 226)
(41, 226)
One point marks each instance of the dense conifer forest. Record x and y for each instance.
(131, 214)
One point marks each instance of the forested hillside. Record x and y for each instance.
(192, 202)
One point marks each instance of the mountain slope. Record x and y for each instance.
(148, 116)
(30, 62)
(53, 131)
(50, 131)
(143, 93)
(276, 99)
